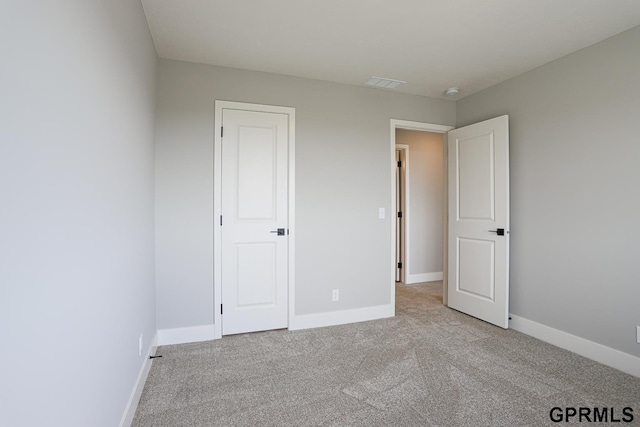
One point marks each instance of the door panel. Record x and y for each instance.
(257, 263)
(476, 268)
(476, 177)
(478, 256)
(254, 205)
(256, 182)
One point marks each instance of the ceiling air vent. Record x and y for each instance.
(384, 82)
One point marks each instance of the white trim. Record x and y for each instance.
(217, 199)
(445, 219)
(134, 399)
(292, 213)
(426, 127)
(342, 317)
(185, 335)
(410, 279)
(606, 355)
(217, 239)
(392, 224)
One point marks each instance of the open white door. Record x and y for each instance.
(478, 158)
(254, 221)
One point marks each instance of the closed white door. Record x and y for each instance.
(254, 221)
(478, 159)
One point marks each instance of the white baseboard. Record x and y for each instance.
(606, 355)
(132, 404)
(342, 317)
(410, 279)
(185, 335)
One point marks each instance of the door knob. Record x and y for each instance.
(499, 231)
(280, 231)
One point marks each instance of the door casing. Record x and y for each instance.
(217, 201)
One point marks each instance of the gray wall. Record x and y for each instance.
(575, 148)
(76, 209)
(426, 186)
(343, 175)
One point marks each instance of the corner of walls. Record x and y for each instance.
(186, 335)
(138, 387)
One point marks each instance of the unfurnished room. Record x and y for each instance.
(319, 213)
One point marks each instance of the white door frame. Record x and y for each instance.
(425, 127)
(217, 200)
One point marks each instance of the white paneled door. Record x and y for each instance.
(478, 164)
(254, 221)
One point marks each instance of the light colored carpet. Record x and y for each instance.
(428, 366)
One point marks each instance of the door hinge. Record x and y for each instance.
(399, 265)
(220, 219)
(221, 309)
(399, 163)
(399, 214)
(221, 131)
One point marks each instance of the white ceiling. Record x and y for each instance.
(430, 44)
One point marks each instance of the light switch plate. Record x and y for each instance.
(381, 213)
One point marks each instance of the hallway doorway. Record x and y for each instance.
(407, 250)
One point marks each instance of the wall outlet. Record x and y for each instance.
(140, 345)
(638, 334)
(335, 295)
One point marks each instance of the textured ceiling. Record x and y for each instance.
(430, 44)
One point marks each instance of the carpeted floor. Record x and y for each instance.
(428, 366)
